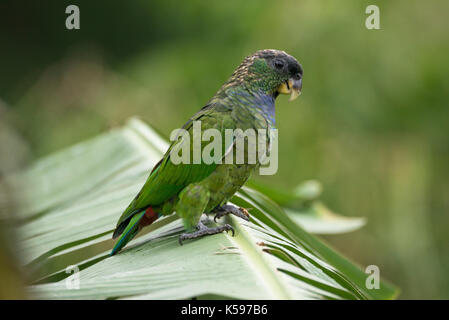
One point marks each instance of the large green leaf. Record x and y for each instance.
(74, 198)
(304, 208)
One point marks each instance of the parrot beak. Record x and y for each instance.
(292, 87)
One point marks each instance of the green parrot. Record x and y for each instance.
(245, 101)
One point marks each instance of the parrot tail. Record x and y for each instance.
(131, 227)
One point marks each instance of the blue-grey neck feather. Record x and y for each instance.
(258, 101)
(265, 103)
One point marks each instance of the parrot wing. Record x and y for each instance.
(168, 179)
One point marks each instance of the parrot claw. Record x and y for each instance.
(202, 230)
(231, 209)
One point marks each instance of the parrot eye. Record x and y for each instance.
(278, 64)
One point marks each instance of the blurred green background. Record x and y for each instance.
(371, 125)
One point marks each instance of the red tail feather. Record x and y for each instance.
(149, 217)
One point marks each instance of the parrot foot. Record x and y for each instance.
(231, 209)
(202, 230)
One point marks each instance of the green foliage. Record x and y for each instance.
(371, 124)
(74, 198)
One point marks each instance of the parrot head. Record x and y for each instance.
(272, 71)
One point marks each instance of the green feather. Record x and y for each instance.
(129, 232)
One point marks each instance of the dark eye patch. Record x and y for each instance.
(278, 64)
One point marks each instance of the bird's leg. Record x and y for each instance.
(230, 209)
(202, 230)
